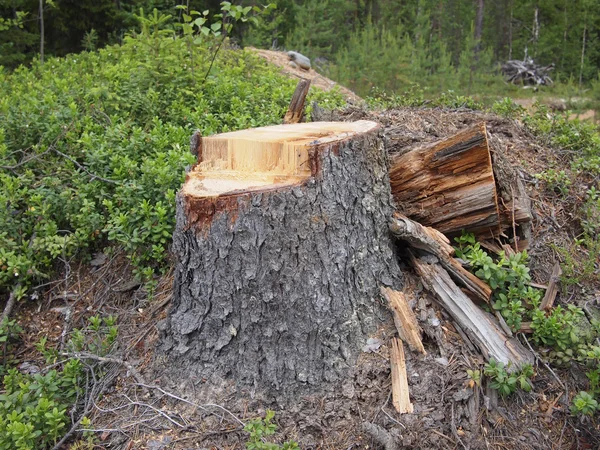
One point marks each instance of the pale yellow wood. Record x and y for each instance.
(404, 319)
(400, 392)
(256, 158)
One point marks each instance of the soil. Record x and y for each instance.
(450, 411)
(281, 60)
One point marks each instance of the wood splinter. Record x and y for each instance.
(549, 298)
(552, 290)
(404, 319)
(400, 393)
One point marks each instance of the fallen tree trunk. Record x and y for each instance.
(483, 330)
(281, 244)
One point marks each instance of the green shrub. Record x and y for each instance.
(576, 138)
(584, 404)
(260, 429)
(507, 108)
(508, 277)
(93, 147)
(507, 383)
(33, 407)
(9, 334)
(557, 329)
(557, 181)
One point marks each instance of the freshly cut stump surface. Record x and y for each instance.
(282, 245)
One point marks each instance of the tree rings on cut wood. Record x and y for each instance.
(281, 244)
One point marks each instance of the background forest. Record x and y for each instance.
(388, 44)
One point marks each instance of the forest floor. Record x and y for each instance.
(140, 411)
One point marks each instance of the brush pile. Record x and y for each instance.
(527, 73)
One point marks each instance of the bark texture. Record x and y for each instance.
(279, 288)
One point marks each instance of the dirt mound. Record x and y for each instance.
(280, 59)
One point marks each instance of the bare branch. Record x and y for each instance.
(104, 359)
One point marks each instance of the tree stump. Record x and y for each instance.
(282, 246)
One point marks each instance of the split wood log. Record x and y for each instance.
(434, 242)
(295, 112)
(281, 244)
(513, 202)
(481, 328)
(400, 392)
(404, 319)
(552, 291)
(448, 185)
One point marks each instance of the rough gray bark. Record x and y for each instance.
(279, 289)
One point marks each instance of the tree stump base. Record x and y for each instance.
(282, 245)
